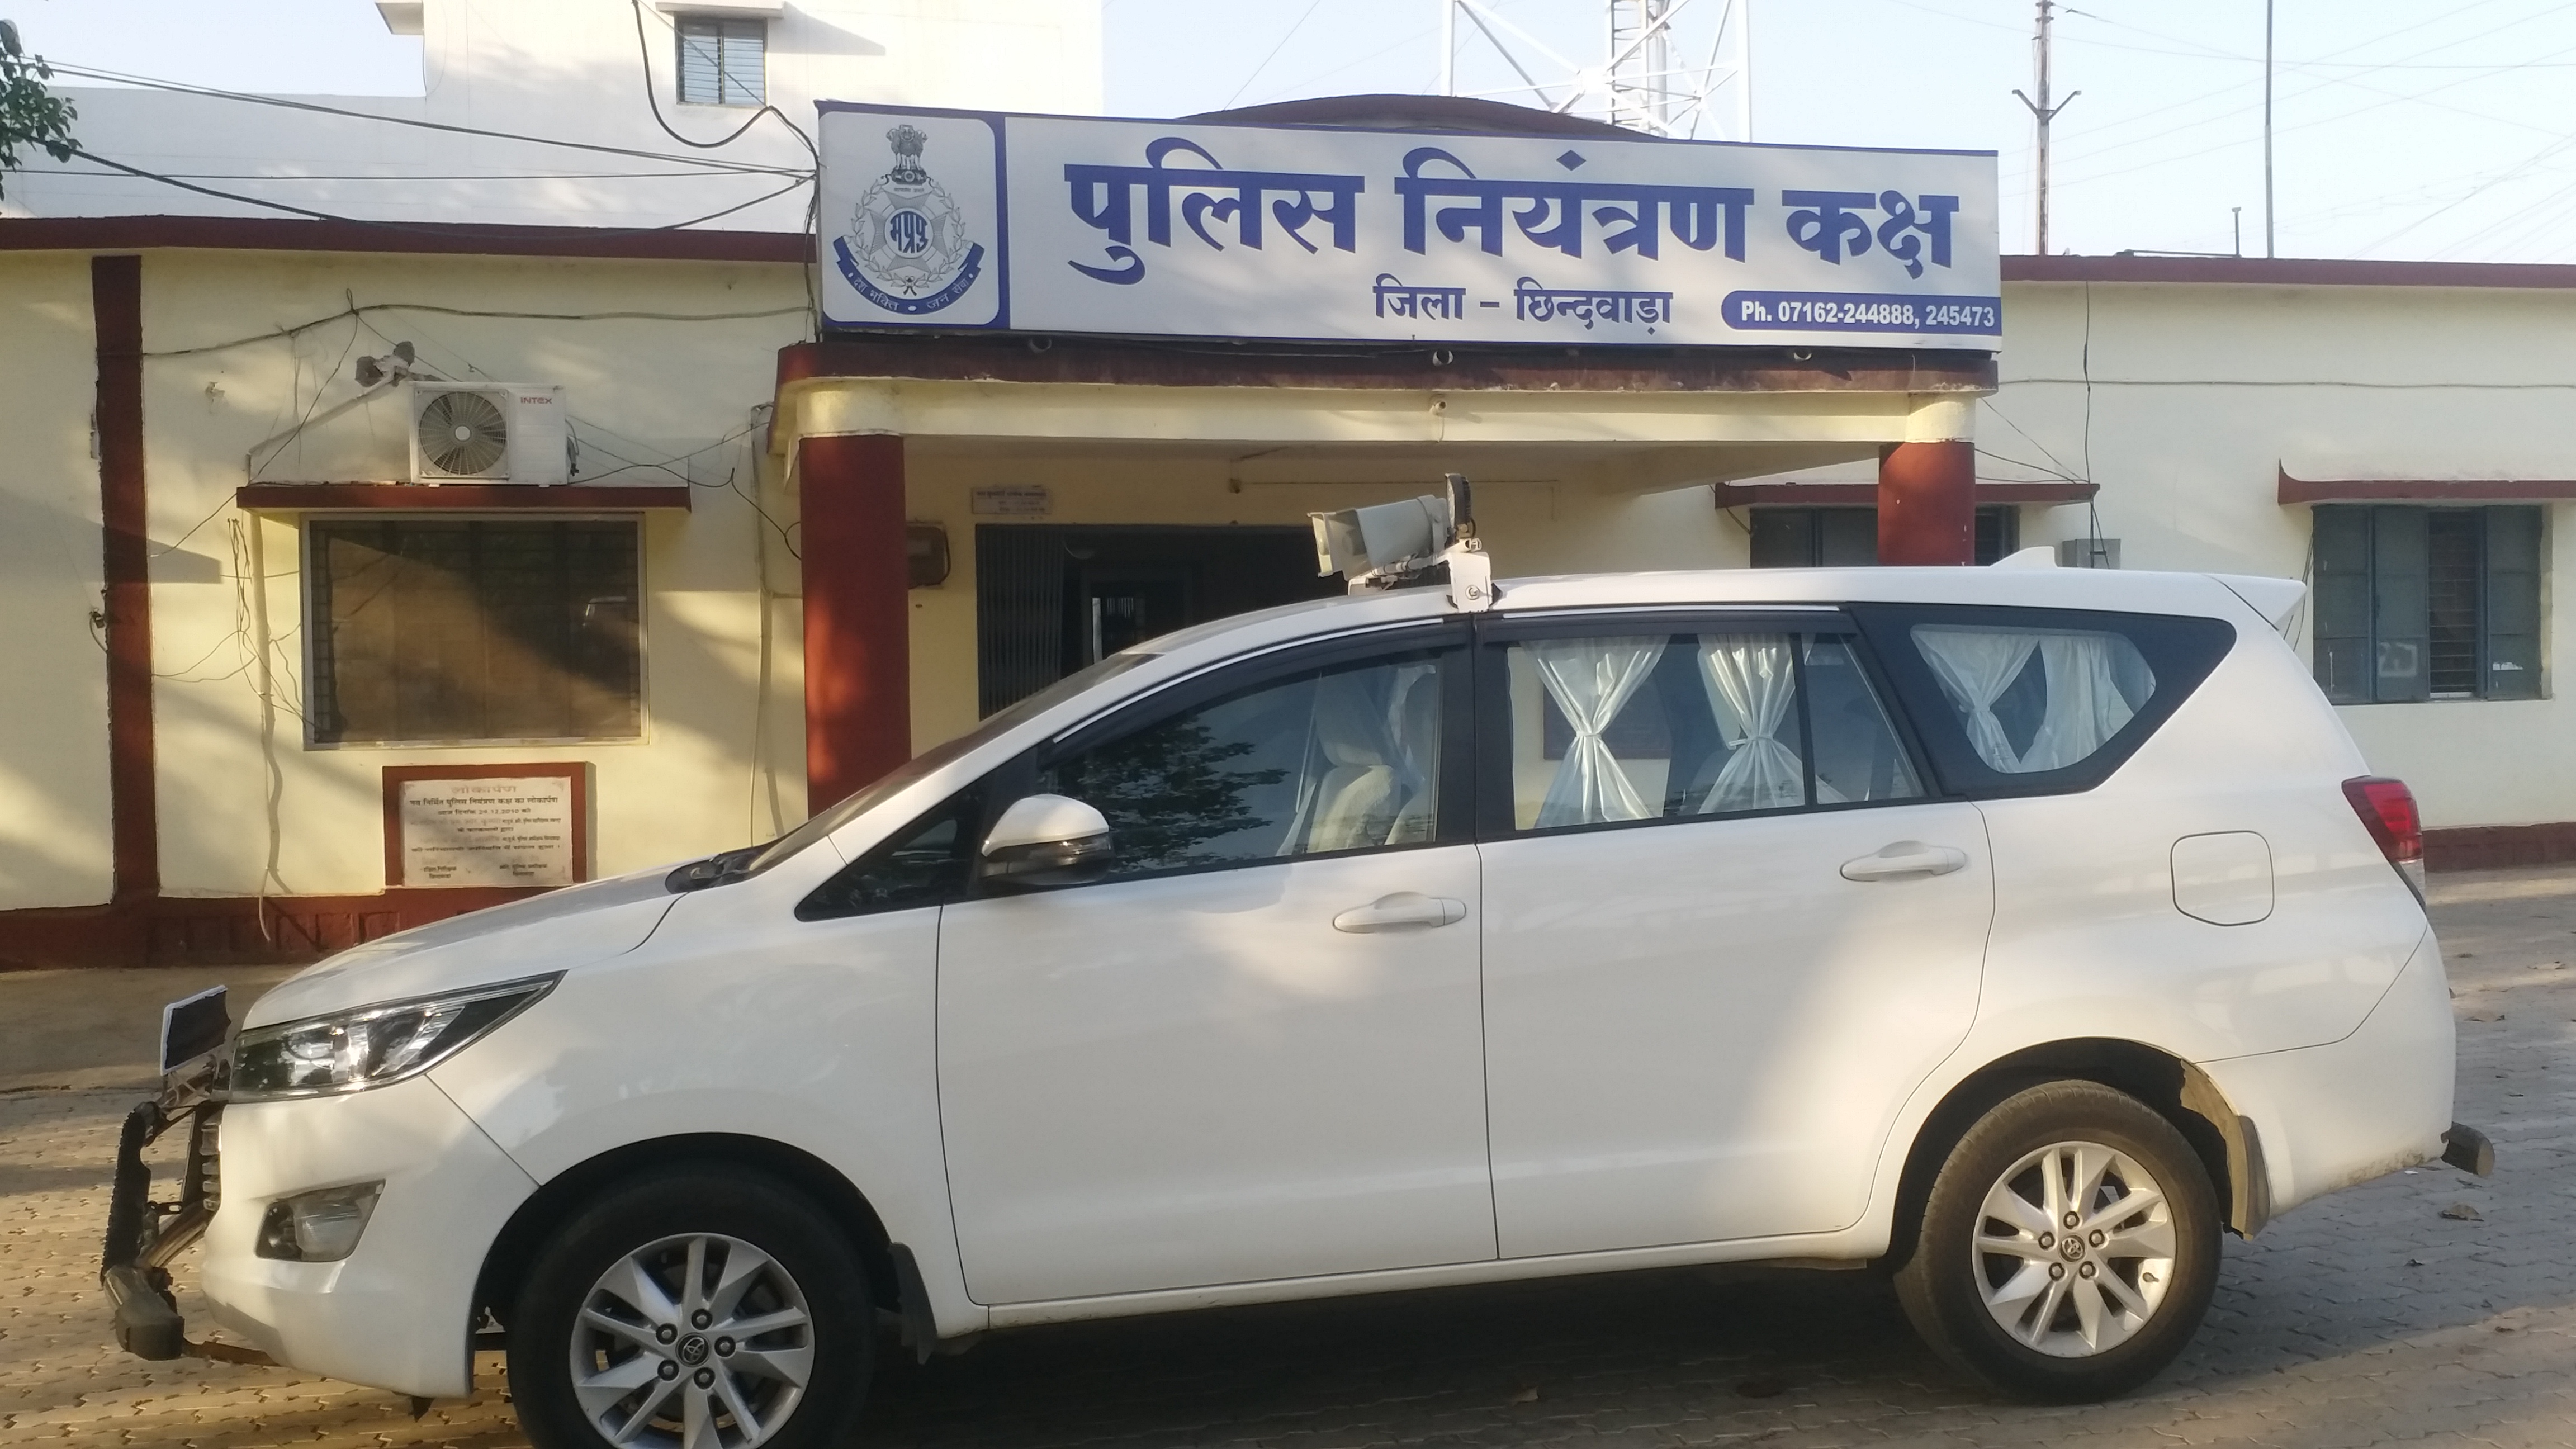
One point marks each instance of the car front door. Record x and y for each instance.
(1727, 931)
(1249, 1047)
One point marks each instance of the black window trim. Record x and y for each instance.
(1495, 632)
(2181, 665)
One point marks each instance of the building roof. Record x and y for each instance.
(242, 233)
(2286, 272)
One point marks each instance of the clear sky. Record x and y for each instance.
(2402, 129)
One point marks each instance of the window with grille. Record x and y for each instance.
(1808, 538)
(2427, 603)
(721, 61)
(438, 631)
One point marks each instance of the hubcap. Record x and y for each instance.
(2074, 1249)
(693, 1342)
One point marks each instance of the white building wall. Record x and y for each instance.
(569, 70)
(2185, 402)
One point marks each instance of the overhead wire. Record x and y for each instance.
(251, 98)
(445, 229)
(653, 102)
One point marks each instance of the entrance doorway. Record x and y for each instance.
(1052, 598)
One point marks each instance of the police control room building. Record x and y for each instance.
(1098, 372)
(287, 677)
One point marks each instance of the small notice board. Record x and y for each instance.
(487, 825)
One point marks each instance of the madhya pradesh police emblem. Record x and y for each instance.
(907, 249)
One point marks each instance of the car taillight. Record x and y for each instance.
(2387, 810)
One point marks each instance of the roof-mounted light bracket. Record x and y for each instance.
(1396, 545)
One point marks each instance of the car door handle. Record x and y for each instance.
(1403, 911)
(1904, 858)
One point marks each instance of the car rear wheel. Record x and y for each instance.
(693, 1308)
(2068, 1247)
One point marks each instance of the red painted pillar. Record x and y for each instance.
(858, 628)
(116, 301)
(1927, 503)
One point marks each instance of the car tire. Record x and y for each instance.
(609, 1344)
(1997, 1288)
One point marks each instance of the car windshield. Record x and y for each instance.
(851, 806)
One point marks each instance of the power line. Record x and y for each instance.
(308, 212)
(653, 102)
(246, 98)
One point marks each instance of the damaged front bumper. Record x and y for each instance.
(145, 1235)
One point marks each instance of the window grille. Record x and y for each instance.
(1807, 538)
(2427, 603)
(721, 61)
(438, 631)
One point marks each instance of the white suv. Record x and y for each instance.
(2015, 930)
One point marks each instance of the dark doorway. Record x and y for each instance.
(1052, 598)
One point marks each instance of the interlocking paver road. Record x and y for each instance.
(2369, 1318)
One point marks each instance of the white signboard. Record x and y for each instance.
(509, 831)
(1169, 228)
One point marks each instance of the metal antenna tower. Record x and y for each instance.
(1678, 68)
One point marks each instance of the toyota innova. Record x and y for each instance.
(2017, 931)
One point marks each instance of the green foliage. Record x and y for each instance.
(29, 113)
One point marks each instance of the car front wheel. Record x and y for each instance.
(693, 1308)
(2068, 1246)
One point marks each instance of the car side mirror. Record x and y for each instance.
(1047, 840)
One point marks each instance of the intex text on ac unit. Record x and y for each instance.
(488, 432)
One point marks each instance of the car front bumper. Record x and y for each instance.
(397, 1313)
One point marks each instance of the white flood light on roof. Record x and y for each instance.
(1389, 545)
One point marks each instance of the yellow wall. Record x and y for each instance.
(657, 392)
(1532, 526)
(53, 675)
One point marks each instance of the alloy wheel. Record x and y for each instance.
(2074, 1249)
(697, 1341)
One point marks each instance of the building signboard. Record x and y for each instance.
(485, 825)
(947, 219)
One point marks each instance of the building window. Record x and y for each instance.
(434, 631)
(1810, 538)
(720, 61)
(2427, 603)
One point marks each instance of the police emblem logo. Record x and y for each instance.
(907, 250)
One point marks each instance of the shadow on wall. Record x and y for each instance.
(53, 727)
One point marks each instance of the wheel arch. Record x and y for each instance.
(506, 1262)
(2227, 1144)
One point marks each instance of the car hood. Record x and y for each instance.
(552, 932)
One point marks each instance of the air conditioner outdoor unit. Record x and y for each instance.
(489, 432)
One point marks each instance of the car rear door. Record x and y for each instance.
(1727, 932)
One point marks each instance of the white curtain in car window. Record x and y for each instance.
(1976, 666)
(2085, 703)
(1751, 689)
(1370, 760)
(1591, 680)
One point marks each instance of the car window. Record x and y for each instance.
(924, 864)
(1321, 760)
(1618, 728)
(2022, 701)
(2033, 699)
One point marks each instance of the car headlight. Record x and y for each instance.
(353, 1050)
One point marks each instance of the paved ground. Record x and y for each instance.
(2370, 1318)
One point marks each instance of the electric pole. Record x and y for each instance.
(2267, 128)
(2042, 112)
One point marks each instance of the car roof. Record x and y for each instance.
(2115, 590)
